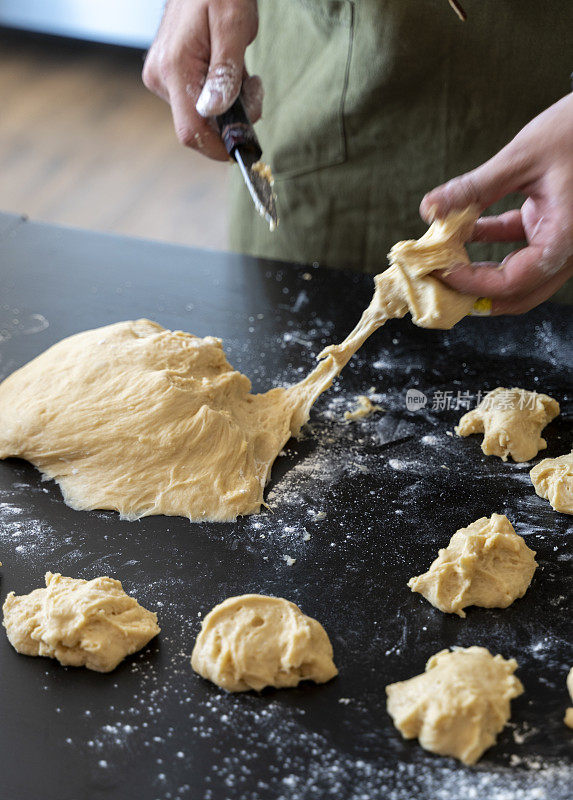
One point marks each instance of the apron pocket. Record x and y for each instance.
(302, 53)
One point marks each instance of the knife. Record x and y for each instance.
(241, 143)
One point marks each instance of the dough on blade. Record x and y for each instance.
(568, 720)
(486, 564)
(553, 480)
(92, 624)
(511, 421)
(253, 641)
(142, 420)
(458, 705)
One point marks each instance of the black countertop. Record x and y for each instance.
(361, 507)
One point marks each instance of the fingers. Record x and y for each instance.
(519, 305)
(196, 64)
(192, 129)
(519, 274)
(506, 227)
(510, 170)
(231, 32)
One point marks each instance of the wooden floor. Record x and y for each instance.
(83, 143)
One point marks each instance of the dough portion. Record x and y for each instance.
(253, 641)
(568, 720)
(408, 285)
(511, 421)
(552, 479)
(486, 564)
(92, 624)
(138, 419)
(458, 705)
(364, 408)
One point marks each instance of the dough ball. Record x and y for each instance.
(458, 705)
(569, 713)
(553, 480)
(92, 624)
(253, 641)
(511, 421)
(486, 564)
(143, 420)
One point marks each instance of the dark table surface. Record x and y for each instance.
(361, 507)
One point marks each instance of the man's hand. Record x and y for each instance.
(539, 164)
(196, 64)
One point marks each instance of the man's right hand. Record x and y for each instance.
(196, 64)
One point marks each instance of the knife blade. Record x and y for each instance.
(242, 144)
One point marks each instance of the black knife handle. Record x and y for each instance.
(236, 130)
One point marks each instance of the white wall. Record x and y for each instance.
(125, 22)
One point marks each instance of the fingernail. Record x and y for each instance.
(221, 88)
(482, 307)
(428, 211)
(210, 100)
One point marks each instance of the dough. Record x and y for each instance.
(253, 641)
(458, 705)
(569, 713)
(143, 420)
(486, 564)
(92, 624)
(407, 284)
(553, 480)
(511, 421)
(364, 408)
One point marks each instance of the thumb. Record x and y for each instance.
(508, 171)
(230, 36)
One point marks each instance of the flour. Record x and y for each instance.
(269, 737)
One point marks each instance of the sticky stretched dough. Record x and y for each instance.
(486, 564)
(143, 420)
(92, 624)
(553, 480)
(511, 421)
(253, 641)
(458, 705)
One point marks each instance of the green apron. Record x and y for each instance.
(369, 104)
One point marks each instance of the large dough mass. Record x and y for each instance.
(552, 479)
(458, 705)
(143, 420)
(486, 564)
(253, 641)
(511, 421)
(92, 624)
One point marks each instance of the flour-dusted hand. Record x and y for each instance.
(538, 162)
(196, 64)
